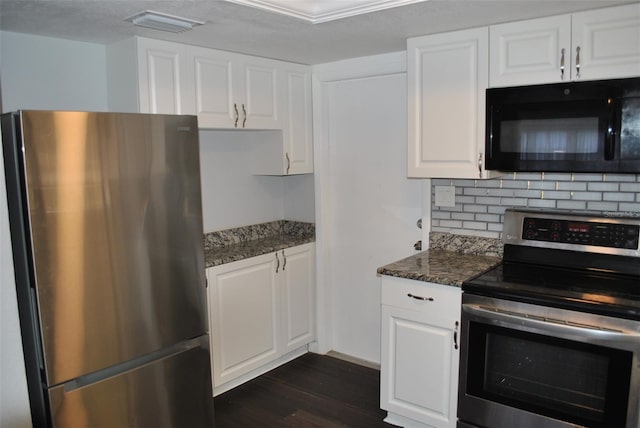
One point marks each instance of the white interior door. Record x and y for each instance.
(368, 206)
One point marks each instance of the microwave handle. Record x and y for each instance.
(609, 137)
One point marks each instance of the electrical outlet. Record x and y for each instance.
(445, 196)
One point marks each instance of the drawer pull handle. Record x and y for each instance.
(455, 336)
(413, 296)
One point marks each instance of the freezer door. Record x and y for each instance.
(115, 223)
(171, 392)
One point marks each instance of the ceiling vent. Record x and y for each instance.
(163, 21)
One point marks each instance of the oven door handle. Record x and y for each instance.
(552, 326)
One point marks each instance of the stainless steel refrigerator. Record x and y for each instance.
(106, 228)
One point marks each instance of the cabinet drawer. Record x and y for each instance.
(441, 302)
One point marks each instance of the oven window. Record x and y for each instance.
(572, 381)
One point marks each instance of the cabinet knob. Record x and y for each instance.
(562, 64)
(277, 263)
(288, 162)
(577, 62)
(284, 261)
(235, 108)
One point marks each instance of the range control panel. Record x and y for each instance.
(601, 234)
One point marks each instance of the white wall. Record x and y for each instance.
(46, 73)
(366, 208)
(36, 73)
(232, 196)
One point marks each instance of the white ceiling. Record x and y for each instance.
(253, 31)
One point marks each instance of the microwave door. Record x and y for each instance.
(590, 126)
(629, 138)
(563, 137)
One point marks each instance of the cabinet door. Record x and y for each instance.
(163, 82)
(215, 86)
(244, 308)
(609, 43)
(419, 366)
(530, 52)
(419, 358)
(259, 104)
(447, 78)
(297, 287)
(291, 151)
(297, 131)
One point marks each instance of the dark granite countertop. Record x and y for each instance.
(240, 243)
(440, 266)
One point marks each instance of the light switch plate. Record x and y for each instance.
(445, 196)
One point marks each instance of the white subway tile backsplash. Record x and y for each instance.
(586, 196)
(480, 204)
(629, 207)
(621, 177)
(630, 187)
(618, 196)
(463, 216)
(603, 187)
(602, 206)
(475, 208)
(474, 225)
(572, 205)
(542, 203)
(571, 185)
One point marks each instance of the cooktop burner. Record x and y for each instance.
(594, 292)
(569, 260)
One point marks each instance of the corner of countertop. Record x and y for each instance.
(466, 244)
(243, 234)
(229, 245)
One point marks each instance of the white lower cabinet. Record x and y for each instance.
(261, 309)
(419, 359)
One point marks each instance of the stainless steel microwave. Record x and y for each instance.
(591, 126)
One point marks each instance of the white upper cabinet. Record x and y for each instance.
(164, 85)
(293, 154)
(447, 79)
(609, 42)
(529, 52)
(598, 44)
(148, 76)
(232, 90)
(224, 89)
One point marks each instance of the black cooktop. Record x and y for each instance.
(592, 291)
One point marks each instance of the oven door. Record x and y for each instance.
(531, 366)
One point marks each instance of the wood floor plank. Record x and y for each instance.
(310, 391)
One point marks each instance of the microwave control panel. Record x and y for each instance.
(601, 234)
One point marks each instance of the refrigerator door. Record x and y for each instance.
(115, 228)
(174, 391)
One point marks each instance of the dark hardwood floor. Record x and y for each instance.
(310, 391)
